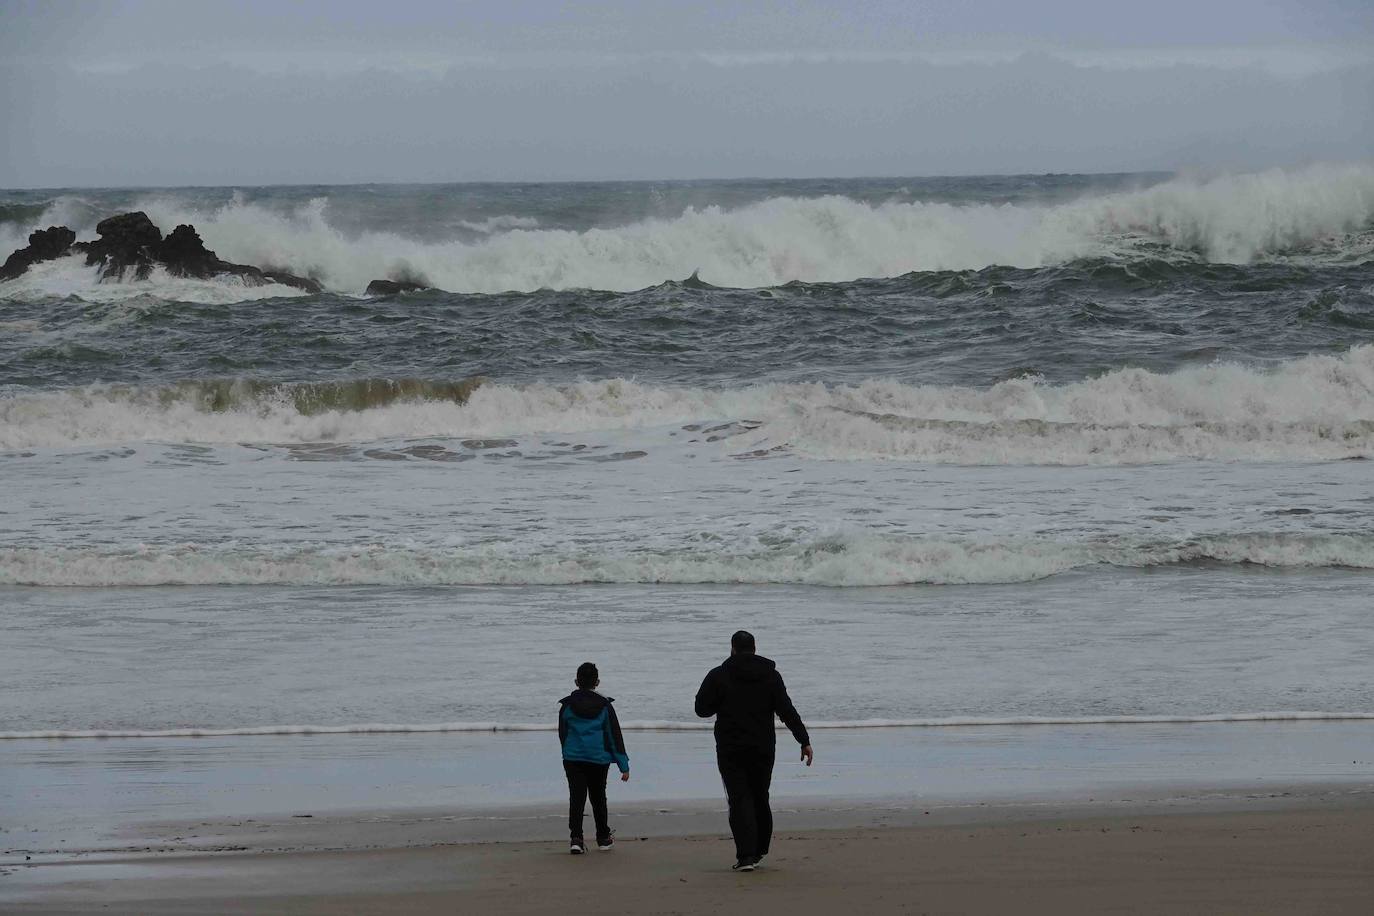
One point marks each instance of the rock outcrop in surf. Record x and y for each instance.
(44, 245)
(128, 244)
(131, 245)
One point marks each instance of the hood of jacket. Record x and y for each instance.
(749, 667)
(586, 704)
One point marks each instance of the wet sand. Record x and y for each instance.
(1286, 852)
(115, 796)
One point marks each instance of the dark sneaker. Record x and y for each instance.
(605, 842)
(746, 864)
(577, 847)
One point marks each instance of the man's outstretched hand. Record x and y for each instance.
(807, 755)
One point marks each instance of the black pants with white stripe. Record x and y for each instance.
(747, 773)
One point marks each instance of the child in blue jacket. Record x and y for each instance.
(591, 739)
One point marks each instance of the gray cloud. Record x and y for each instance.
(111, 94)
(150, 29)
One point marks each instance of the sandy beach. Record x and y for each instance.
(1211, 853)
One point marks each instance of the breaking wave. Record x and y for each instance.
(1233, 219)
(427, 728)
(257, 397)
(840, 561)
(1313, 408)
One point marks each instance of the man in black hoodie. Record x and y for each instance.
(744, 694)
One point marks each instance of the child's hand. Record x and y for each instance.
(624, 777)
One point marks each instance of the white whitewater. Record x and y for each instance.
(1315, 408)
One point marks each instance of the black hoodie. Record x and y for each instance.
(744, 694)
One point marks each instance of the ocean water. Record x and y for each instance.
(1000, 449)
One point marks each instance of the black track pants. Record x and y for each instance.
(586, 779)
(747, 774)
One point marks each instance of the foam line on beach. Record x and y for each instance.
(645, 726)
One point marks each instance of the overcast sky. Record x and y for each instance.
(165, 93)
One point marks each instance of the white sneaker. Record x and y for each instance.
(577, 847)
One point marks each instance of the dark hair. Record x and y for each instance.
(742, 642)
(587, 675)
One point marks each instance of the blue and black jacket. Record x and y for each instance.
(589, 730)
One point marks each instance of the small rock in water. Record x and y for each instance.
(392, 287)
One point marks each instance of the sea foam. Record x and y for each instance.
(853, 560)
(71, 277)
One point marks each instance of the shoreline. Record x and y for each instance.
(79, 798)
(445, 728)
